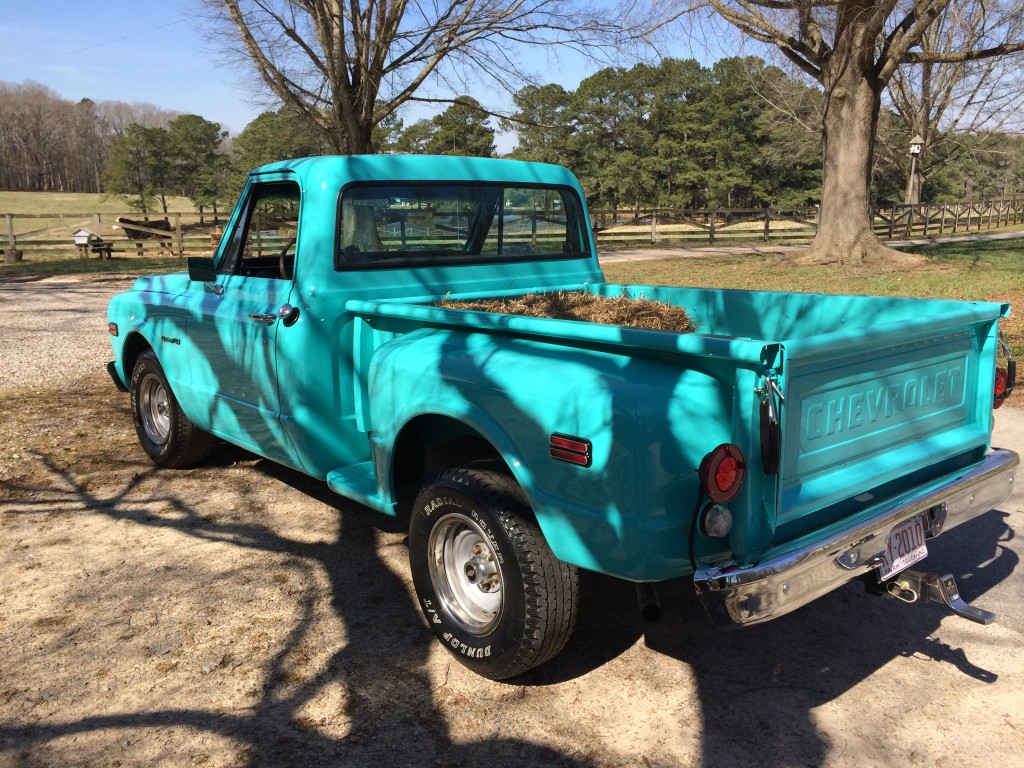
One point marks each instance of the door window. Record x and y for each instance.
(263, 243)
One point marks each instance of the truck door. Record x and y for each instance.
(236, 321)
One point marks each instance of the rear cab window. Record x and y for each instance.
(437, 224)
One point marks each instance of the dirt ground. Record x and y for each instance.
(240, 614)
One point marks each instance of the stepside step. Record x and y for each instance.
(359, 483)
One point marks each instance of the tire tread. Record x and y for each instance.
(551, 586)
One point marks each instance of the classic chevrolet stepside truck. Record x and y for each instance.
(792, 443)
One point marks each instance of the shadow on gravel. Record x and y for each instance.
(389, 697)
(756, 687)
(759, 685)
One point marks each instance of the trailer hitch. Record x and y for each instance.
(911, 586)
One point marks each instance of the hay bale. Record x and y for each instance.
(573, 305)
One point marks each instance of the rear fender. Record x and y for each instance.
(648, 423)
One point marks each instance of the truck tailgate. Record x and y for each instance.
(868, 407)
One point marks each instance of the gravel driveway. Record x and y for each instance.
(239, 614)
(54, 329)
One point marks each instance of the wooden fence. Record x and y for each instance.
(738, 226)
(52, 235)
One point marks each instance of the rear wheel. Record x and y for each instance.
(488, 584)
(164, 431)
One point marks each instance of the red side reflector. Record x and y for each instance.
(112, 329)
(574, 450)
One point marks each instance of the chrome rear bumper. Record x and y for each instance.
(786, 580)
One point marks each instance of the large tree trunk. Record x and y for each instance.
(852, 101)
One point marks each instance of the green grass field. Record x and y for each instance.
(76, 202)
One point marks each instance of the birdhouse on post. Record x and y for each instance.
(83, 237)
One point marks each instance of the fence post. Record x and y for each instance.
(12, 242)
(654, 227)
(942, 221)
(177, 235)
(892, 221)
(711, 229)
(767, 224)
(927, 213)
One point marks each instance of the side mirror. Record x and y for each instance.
(201, 269)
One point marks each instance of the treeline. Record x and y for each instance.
(51, 144)
(678, 134)
(737, 134)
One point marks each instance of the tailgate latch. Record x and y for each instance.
(771, 434)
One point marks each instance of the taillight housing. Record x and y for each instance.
(1005, 377)
(1004, 383)
(722, 472)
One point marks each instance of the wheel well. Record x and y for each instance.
(134, 346)
(428, 444)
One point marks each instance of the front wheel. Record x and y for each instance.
(165, 432)
(488, 584)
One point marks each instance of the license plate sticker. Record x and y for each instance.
(906, 547)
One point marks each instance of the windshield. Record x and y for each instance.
(426, 224)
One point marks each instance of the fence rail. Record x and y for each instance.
(52, 234)
(720, 226)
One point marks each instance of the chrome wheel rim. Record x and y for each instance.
(465, 574)
(155, 409)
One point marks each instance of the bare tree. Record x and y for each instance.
(943, 101)
(854, 48)
(346, 66)
(34, 120)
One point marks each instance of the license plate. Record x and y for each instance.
(906, 547)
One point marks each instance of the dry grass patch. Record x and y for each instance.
(586, 307)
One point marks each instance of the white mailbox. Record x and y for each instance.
(83, 236)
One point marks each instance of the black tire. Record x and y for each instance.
(165, 432)
(489, 585)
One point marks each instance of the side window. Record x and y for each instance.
(263, 242)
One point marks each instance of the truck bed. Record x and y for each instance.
(878, 392)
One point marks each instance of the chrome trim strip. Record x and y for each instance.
(783, 582)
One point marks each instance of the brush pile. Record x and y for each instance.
(574, 305)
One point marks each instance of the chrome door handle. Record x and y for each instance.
(266, 319)
(288, 314)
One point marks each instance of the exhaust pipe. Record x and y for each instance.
(650, 605)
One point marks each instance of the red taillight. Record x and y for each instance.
(112, 329)
(1002, 381)
(725, 475)
(721, 473)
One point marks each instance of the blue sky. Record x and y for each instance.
(145, 51)
(121, 51)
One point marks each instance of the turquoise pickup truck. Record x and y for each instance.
(791, 443)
